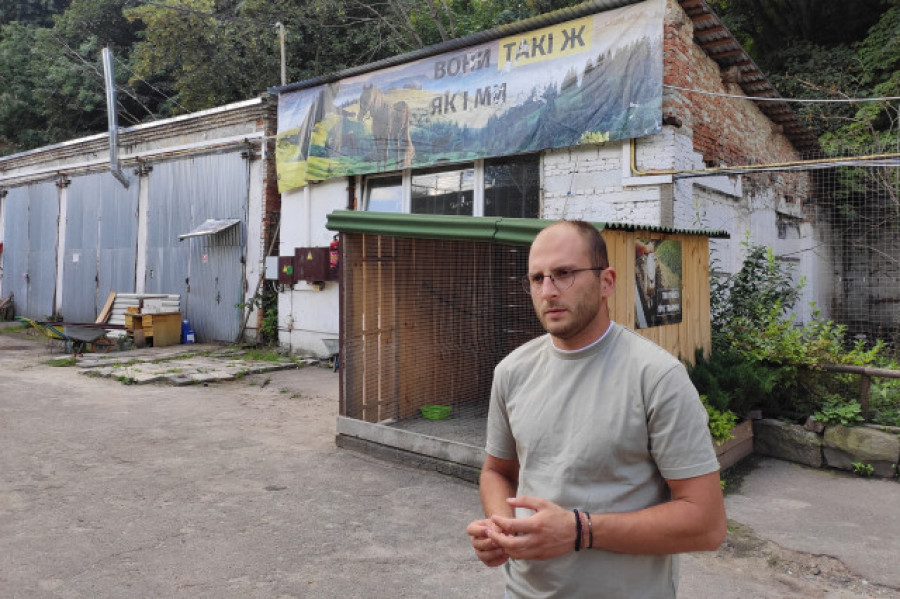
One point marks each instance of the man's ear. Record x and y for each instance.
(608, 282)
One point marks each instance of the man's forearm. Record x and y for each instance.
(693, 521)
(494, 489)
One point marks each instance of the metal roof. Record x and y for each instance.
(210, 226)
(720, 45)
(492, 229)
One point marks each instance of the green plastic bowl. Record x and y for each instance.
(435, 412)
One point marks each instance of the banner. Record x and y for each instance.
(589, 80)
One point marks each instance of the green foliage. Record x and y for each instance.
(863, 469)
(838, 411)
(62, 362)
(749, 295)
(30, 12)
(762, 358)
(721, 422)
(731, 382)
(884, 399)
(265, 300)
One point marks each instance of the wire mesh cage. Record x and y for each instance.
(425, 321)
(428, 321)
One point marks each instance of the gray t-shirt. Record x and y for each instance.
(600, 430)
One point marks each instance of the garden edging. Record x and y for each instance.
(834, 446)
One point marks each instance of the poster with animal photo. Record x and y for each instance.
(657, 282)
(585, 81)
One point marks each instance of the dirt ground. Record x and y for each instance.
(236, 489)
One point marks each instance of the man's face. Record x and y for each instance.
(572, 315)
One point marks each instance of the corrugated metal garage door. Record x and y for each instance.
(29, 248)
(101, 242)
(208, 271)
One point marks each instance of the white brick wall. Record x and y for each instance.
(587, 183)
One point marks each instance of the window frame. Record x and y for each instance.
(478, 195)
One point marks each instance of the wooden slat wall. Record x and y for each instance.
(420, 327)
(693, 331)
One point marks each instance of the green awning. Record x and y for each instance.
(491, 229)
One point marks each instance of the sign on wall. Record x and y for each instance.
(589, 80)
(657, 282)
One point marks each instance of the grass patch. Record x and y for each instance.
(260, 355)
(14, 329)
(70, 361)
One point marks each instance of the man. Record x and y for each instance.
(599, 463)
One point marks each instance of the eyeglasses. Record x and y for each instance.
(561, 278)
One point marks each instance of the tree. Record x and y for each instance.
(30, 12)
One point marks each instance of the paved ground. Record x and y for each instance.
(236, 489)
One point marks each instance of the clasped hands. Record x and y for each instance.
(548, 533)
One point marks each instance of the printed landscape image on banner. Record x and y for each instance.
(657, 282)
(589, 80)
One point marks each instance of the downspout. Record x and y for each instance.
(112, 120)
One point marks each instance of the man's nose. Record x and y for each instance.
(548, 286)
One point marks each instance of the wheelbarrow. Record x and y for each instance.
(79, 336)
(75, 337)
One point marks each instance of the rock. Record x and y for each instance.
(787, 442)
(847, 444)
(814, 426)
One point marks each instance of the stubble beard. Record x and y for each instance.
(579, 317)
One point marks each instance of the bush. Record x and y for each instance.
(762, 358)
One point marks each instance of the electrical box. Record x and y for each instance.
(272, 269)
(287, 274)
(311, 264)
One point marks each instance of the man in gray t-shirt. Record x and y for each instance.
(599, 462)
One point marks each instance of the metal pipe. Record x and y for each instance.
(111, 117)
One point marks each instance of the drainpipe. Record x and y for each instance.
(112, 119)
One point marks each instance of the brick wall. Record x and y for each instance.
(725, 131)
(586, 183)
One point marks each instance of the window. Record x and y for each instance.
(512, 187)
(439, 191)
(508, 187)
(384, 194)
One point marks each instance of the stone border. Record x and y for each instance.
(833, 446)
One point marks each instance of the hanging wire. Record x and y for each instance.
(151, 86)
(780, 99)
(90, 67)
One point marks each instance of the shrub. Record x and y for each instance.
(762, 358)
(720, 422)
(838, 411)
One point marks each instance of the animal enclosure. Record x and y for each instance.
(429, 305)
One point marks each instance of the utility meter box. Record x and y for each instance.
(311, 264)
(287, 274)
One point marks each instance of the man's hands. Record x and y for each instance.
(549, 532)
(486, 549)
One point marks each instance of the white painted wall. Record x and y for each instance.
(753, 216)
(306, 315)
(254, 248)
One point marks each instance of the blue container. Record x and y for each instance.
(187, 334)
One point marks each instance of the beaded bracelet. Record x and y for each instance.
(577, 530)
(590, 531)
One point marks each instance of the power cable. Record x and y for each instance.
(151, 86)
(91, 67)
(780, 99)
